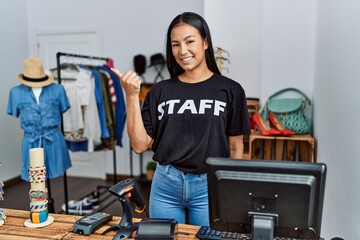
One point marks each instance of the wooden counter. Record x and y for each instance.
(62, 226)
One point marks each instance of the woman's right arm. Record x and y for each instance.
(139, 139)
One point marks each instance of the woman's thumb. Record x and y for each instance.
(117, 72)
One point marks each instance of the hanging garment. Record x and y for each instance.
(40, 123)
(107, 143)
(120, 106)
(99, 102)
(110, 83)
(81, 122)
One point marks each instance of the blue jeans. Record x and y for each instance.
(174, 192)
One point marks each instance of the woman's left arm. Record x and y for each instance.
(236, 144)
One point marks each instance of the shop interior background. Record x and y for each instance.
(308, 44)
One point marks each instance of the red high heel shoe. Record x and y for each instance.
(275, 121)
(263, 126)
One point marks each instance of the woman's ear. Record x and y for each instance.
(206, 45)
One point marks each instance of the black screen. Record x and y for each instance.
(290, 193)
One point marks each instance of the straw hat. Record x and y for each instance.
(34, 74)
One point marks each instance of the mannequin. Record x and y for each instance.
(39, 102)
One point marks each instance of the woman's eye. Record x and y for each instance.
(175, 45)
(190, 41)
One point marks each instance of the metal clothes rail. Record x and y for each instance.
(58, 63)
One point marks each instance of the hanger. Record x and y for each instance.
(223, 59)
(220, 59)
(68, 67)
(219, 52)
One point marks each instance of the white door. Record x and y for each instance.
(84, 43)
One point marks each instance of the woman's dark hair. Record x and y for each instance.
(200, 24)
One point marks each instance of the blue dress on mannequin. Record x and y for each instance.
(41, 125)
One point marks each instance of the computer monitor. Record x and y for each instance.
(266, 198)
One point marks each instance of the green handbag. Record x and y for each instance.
(290, 111)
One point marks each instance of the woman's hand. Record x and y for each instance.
(130, 81)
(131, 84)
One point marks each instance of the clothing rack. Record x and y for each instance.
(97, 191)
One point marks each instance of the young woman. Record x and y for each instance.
(196, 114)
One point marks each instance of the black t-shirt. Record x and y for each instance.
(190, 122)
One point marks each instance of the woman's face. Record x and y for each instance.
(188, 47)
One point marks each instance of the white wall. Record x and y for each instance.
(13, 51)
(288, 45)
(273, 44)
(127, 28)
(237, 27)
(336, 98)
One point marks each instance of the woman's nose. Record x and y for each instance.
(183, 49)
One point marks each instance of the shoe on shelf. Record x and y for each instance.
(84, 206)
(275, 121)
(265, 129)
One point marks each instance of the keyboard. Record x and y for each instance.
(206, 233)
